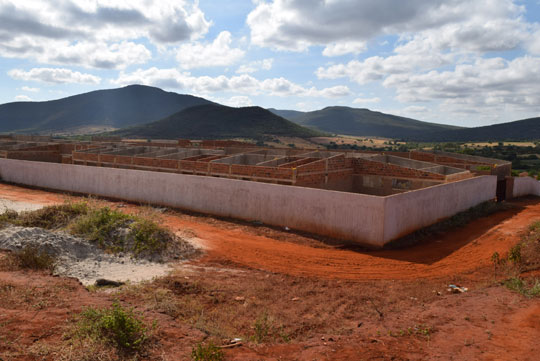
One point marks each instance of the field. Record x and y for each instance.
(291, 296)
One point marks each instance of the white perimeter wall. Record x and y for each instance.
(525, 185)
(361, 218)
(407, 212)
(350, 216)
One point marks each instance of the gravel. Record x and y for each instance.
(77, 257)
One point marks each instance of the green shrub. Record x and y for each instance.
(33, 258)
(514, 255)
(98, 224)
(525, 288)
(208, 352)
(117, 326)
(52, 217)
(148, 236)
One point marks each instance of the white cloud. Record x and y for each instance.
(29, 89)
(54, 75)
(415, 109)
(238, 101)
(217, 53)
(98, 33)
(297, 24)
(485, 85)
(346, 47)
(174, 79)
(366, 100)
(23, 98)
(254, 66)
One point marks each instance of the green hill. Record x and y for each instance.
(218, 121)
(117, 108)
(361, 122)
(525, 129)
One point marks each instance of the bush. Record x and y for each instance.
(117, 326)
(52, 217)
(32, 258)
(208, 352)
(98, 224)
(527, 289)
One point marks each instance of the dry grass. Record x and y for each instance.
(267, 308)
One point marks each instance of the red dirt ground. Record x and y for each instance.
(487, 323)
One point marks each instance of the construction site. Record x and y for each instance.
(370, 198)
(257, 288)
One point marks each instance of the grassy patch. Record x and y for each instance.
(115, 326)
(526, 288)
(35, 259)
(51, 217)
(110, 229)
(208, 352)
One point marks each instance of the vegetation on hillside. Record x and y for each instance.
(218, 122)
(361, 122)
(525, 129)
(116, 108)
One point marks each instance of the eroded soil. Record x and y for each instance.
(322, 300)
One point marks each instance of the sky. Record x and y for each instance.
(460, 62)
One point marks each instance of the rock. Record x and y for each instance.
(102, 282)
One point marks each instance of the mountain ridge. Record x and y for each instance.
(215, 121)
(116, 108)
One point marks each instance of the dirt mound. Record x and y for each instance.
(76, 257)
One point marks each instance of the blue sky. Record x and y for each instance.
(462, 62)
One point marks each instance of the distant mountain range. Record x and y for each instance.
(115, 108)
(361, 122)
(215, 121)
(525, 129)
(145, 111)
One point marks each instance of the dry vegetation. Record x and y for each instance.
(198, 309)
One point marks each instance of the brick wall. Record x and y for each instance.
(39, 156)
(364, 166)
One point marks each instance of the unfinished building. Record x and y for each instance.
(302, 186)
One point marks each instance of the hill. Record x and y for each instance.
(525, 129)
(116, 108)
(215, 121)
(361, 122)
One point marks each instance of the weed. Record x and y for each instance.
(52, 217)
(148, 236)
(416, 330)
(514, 255)
(98, 225)
(117, 326)
(527, 289)
(33, 258)
(208, 352)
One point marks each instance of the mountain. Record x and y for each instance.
(525, 129)
(116, 108)
(361, 122)
(287, 114)
(219, 121)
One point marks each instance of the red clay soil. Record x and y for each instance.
(456, 252)
(486, 323)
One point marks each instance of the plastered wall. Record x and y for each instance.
(348, 216)
(361, 218)
(524, 186)
(409, 211)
